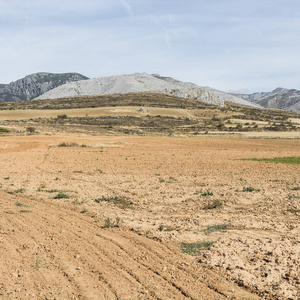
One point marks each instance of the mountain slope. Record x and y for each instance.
(280, 98)
(137, 82)
(34, 85)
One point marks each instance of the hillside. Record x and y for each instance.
(34, 85)
(139, 82)
(280, 98)
(142, 114)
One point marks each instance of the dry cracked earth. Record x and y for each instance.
(175, 190)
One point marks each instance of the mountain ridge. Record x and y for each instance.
(280, 98)
(34, 85)
(139, 82)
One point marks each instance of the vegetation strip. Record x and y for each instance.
(292, 160)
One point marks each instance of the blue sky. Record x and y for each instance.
(231, 45)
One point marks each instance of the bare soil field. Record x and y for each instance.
(108, 217)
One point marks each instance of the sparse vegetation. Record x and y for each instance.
(25, 211)
(64, 144)
(293, 160)
(195, 248)
(4, 130)
(61, 195)
(30, 130)
(294, 211)
(110, 224)
(204, 193)
(213, 228)
(120, 201)
(250, 189)
(214, 204)
(297, 188)
(21, 204)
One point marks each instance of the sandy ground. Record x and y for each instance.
(58, 248)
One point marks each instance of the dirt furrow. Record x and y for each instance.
(52, 251)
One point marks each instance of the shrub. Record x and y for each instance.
(4, 129)
(250, 189)
(61, 195)
(30, 129)
(63, 116)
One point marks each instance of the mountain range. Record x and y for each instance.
(50, 86)
(280, 98)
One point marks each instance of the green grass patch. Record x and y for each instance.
(195, 248)
(4, 129)
(292, 160)
(120, 201)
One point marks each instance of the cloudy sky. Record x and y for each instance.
(231, 45)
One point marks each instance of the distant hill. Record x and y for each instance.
(140, 82)
(280, 98)
(35, 85)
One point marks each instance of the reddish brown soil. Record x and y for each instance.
(58, 248)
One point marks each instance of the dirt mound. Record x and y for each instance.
(50, 251)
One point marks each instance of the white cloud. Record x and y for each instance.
(127, 7)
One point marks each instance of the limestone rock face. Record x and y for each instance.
(280, 98)
(133, 83)
(35, 85)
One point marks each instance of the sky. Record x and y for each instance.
(232, 45)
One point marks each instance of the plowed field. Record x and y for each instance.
(55, 247)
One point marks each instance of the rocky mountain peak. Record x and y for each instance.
(34, 85)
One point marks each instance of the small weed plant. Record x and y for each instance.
(62, 195)
(213, 228)
(120, 201)
(21, 204)
(250, 189)
(195, 248)
(204, 193)
(110, 224)
(214, 204)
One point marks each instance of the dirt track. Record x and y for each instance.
(54, 251)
